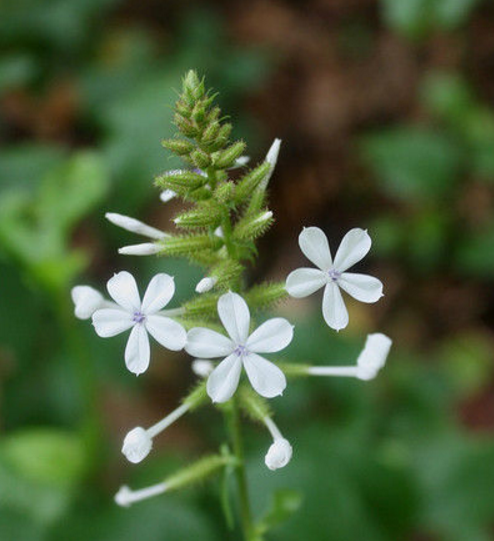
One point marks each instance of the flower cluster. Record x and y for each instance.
(219, 231)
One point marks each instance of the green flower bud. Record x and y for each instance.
(200, 159)
(253, 225)
(175, 180)
(181, 147)
(203, 215)
(187, 245)
(248, 183)
(224, 192)
(226, 158)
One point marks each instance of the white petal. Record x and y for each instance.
(137, 352)
(206, 343)
(266, 378)
(235, 316)
(167, 332)
(241, 161)
(303, 282)
(123, 289)
(167, 195)
(206, 284)
(354, 247)
(223, 380)
(333, 308)
(202, 367)
(86, 300)
(273, 335)
(314, 245)
(111, 321)
(362, 287)
(158, 293)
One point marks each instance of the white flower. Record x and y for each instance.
(137, 445)
(167, 195)
(279, 454)
(373, 356)
(125, 497)
(332, 275)
(202, 367)
(371, 359)
(240, 349)
(141, 317)
(206, 284)
(139, 441)
(86, 300)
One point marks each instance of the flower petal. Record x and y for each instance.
(273, 335)
(303, 282)
(206, 343)
(354, 247)
(235, 316)
(167, 332)
(158, 293)
(223, 380)
(314, 245)
(123, 289)
(362, 287)
(137, 352)
(86, 300)
(111, 321)
(333, 308)
(266, 378)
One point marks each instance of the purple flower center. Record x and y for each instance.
(334, 275)
(240, 351)
(139, 317)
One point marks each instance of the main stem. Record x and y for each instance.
(243, 492)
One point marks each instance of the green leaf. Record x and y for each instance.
(48, 456)
(72, 191)
(284, 503)
(413, 162)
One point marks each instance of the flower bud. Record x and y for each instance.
(146, 248)
(86, 300)
(202, 367)
(373, 356)
(279, 454)
(271, 158)
(137, 445)
(167, 195)
(206, 284)
(134, 226)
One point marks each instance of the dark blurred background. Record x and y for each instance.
(386, 111)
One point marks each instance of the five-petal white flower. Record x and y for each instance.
(240, 349)
(332, 275)
(142, 317)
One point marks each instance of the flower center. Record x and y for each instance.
(139, 317)
(240, 351)
(334, 275)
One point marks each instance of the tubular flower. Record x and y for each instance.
(141, 317)
(371, 359)
(280, 452)
(240, 349)
(139, 441)
(331, 275)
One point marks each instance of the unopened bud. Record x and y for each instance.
(206, 284)
(146, 248)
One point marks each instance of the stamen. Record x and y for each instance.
(334, 275)
(240, 351)
(139, 317)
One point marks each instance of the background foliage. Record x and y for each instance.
(385, 109)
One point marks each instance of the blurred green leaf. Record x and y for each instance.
(47, 456)
(418, 18)
(284, 503)
(413, 162)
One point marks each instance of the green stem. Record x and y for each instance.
(243, 493)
